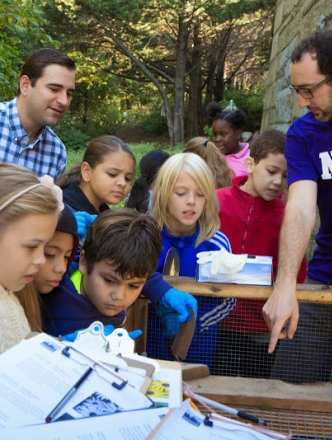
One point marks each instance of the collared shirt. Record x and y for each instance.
(45, 155)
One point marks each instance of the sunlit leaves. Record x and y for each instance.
(21, 24)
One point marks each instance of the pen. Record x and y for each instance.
(68, 396)
(228, 409)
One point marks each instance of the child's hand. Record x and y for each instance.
(173, 309)
(180, 301)
(83, 220)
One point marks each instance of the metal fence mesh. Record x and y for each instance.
(302, 424)
(238, 347)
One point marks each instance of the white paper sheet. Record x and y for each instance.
(166, 386)
(136, 425)
(97, 397)
(35, 376)
(185, 423)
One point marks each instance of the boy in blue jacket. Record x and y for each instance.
(120, 252)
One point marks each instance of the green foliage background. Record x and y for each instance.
(110, 90)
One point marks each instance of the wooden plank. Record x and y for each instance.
(138, 320)
(265, 393)
(194, 371)
(304, 292)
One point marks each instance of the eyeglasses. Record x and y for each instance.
(307, 93)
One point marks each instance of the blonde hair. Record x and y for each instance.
(29, 299)
(198, 170)
(22, 194)
(35, 198)
(206, 149)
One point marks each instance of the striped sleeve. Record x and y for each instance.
(221, 241)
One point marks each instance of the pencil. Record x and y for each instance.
(68, 396)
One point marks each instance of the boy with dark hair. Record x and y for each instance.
(250, 214)
(46, 87)
(120, 252)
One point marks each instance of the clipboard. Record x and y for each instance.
(35, 375)
(165, 419)
(118, 372)
(149, 368)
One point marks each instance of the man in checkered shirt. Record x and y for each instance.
(46, 87)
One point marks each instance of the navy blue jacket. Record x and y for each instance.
(211, 311)
(65, 310)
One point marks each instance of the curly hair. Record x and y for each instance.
(319, 44)
(237, 119)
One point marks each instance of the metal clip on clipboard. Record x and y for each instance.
(118, 386)
(121, 344)
(110, 349)
(92, 341)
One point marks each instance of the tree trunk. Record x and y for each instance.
(219, 83)
(180, 75)
(195, 111)
(153, 79)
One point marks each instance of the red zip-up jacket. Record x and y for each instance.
(252, 226)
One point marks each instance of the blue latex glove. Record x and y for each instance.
(172, 310)
(180, 302)
(108, 329)
(83, 220)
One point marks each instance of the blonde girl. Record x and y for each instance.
(28, 216)
(102, 178)
(206, 149)
(185, 206)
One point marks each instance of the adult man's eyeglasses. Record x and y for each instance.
(307, 93)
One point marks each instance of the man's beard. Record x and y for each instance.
(323, 115)
(326, 116)
(327, 112)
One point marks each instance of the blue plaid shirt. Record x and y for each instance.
(45, 155)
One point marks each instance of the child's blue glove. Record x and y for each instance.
(108, 329)
(180, 302)
(83, 220)
(172, 309)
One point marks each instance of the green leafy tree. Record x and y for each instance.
(160, 42)
(21, 29)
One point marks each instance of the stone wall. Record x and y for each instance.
(294, 20)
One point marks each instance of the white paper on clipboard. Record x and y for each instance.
(35, 376)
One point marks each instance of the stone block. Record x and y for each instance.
(294, 20)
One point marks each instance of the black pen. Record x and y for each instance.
(226, 408)
(68, 396)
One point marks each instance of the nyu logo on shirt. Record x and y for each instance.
(326, 161)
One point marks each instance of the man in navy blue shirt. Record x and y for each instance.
(305, 354)
(45, 91)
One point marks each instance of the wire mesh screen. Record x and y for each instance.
(238, 346)
(302, 424)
